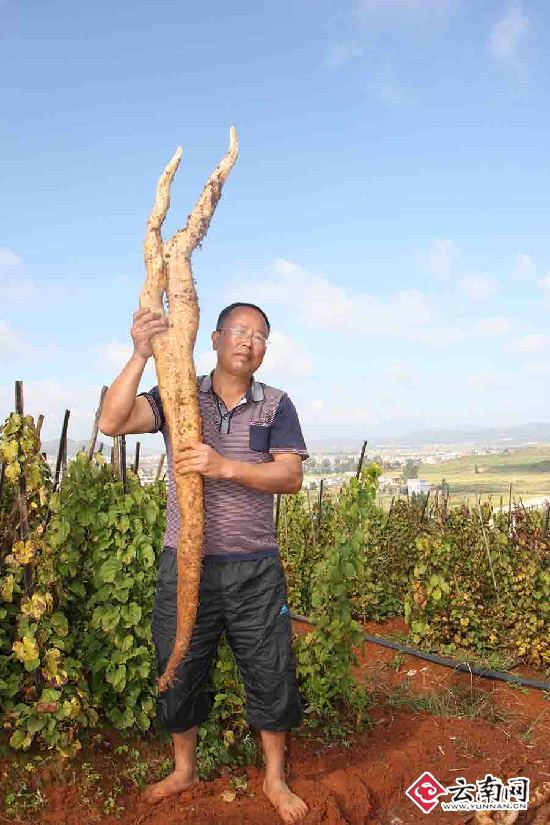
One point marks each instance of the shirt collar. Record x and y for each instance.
(255, 391)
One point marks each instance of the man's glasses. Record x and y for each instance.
(240, 334)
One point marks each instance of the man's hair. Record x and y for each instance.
(225, 312)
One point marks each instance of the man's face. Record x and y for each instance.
(240, 355)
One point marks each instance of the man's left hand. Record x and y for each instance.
(201, 458)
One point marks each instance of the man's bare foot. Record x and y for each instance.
(289, 806)
(176, 782)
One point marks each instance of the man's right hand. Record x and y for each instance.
(146, 325)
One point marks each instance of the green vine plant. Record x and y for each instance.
(336, 701)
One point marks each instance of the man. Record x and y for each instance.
(253, 447)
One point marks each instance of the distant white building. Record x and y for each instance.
(417, 485)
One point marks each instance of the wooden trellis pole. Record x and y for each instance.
(22, 497)
(95, 428)
(168, 267)
(136, 459)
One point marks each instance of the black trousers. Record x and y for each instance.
(247, 600)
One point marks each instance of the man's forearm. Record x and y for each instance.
(271, 477)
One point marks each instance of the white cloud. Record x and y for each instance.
(477, 287)
(532, 343)
(442, 335)
(538, 368)
(325, 305)
(341, 407)
(16, 292)
(524, 267)
(11, 343)
(205, 362)
(509, 34)
(440, 260)
(486, 381)
(10, 263)
(112, 357)
(492, 327)
(51, 399)
(405, 315)
(13, 289)
(284, 357)
(400, 371)
(340, 53)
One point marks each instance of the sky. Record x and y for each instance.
(389, 209)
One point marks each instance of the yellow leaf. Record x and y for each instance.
(6, 589)
(37, 605)
(9, 451)
(13, 471)
(23, 551)
(26, 650)
(229, 796)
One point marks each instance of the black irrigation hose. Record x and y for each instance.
(441, 660)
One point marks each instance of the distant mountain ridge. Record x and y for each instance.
(75, 445)
(538, 433)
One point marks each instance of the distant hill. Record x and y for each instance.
(74, 445)
(536, 433)
(504, 436)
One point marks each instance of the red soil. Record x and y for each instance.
(363, 784)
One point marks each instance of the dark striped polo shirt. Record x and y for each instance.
(239, 521)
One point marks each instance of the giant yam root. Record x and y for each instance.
(168, 270)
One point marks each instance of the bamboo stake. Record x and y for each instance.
(123, 463)
(159, 468)
(487, 550)
(60, 450)
(22, 497)
(39, 423)
(115, 457)
(320, 506)
(277, 510)
(64, 458)
(136, 458)
(95, 428)
(360, 464)
(425, 505)
(169, 271)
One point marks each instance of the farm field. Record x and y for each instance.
(77, 667)
(528, 471)
(423, 717)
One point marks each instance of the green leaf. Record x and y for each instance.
(109, 570)
(110, 619)
(148, 556)
(150, 511)
(59, 624)
(131, 614)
